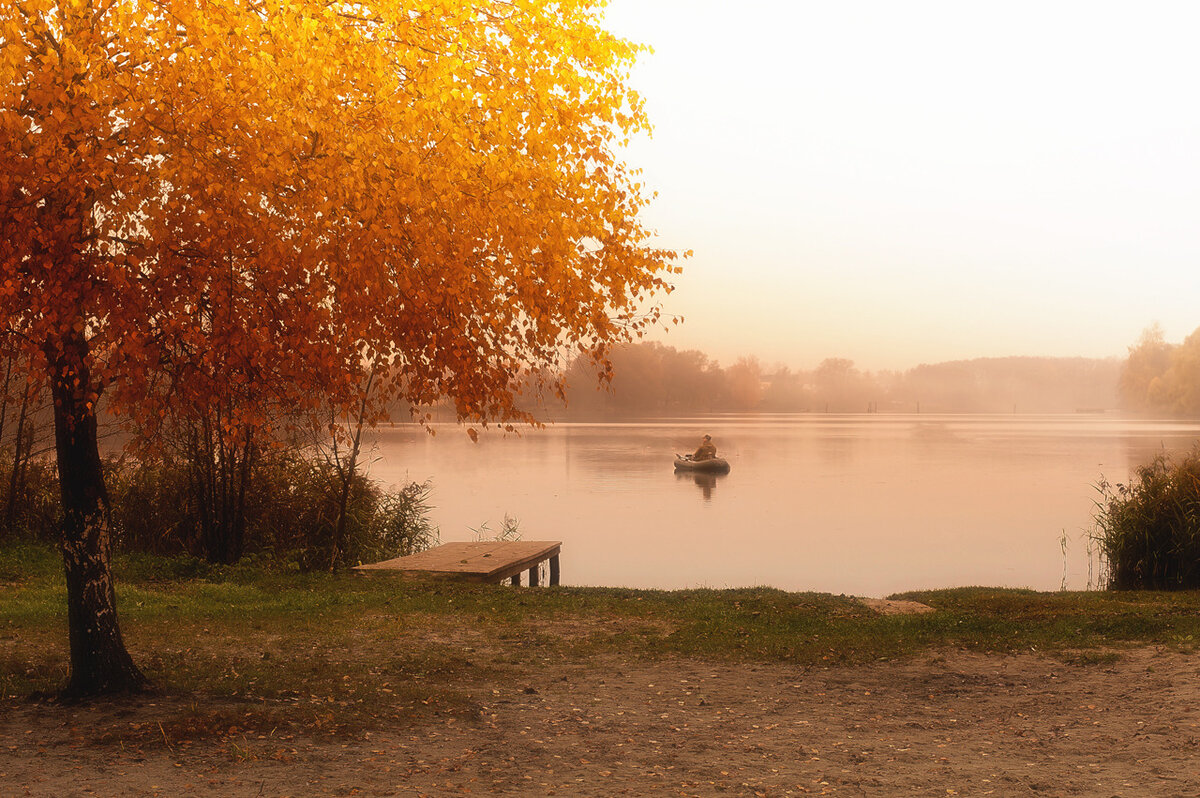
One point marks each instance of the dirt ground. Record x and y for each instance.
(951, 724)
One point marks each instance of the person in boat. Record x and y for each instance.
(707, 450)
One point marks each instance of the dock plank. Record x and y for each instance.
(481, 561)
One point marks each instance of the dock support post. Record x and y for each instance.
(554, 570)
(516, 580)
(533, 575)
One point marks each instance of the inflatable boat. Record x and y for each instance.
(715, 465)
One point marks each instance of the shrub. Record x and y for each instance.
(290, 512)
(35, 512)
(150, 507)
(399, 525)
(30, 506)
(1148, 531)
(297, 509)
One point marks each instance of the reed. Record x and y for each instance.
(1147, 532)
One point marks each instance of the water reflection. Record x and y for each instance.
(937, 432)
(857, 504)
(706, 481)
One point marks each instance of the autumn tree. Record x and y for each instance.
(1176, 390)
(208, 198)
(1147, 362)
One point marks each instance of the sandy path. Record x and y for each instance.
(964, 724)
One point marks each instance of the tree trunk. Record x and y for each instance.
(346, 474)
(4, 394)
(99, 660)
(20, 461)
(219, 472)
(239, 518)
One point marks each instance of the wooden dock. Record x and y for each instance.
(483, 561)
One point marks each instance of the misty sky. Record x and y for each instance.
(921, 181)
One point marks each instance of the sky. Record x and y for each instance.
(912, 182)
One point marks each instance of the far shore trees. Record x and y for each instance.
(203, 200)
(1163, 378)
(654, 379)
(1148, 361)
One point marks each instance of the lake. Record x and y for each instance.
(858, 504)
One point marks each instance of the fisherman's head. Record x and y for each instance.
(708, 437)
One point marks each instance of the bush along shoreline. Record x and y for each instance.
(1148, 530)
(287, 512)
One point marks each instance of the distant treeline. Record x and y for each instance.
(1162, 378)
(651, 378)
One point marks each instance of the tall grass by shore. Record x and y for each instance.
(289, 515)
(1148, 530)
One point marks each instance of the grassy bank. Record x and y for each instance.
(339, 654)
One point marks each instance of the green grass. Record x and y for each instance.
(337, 654)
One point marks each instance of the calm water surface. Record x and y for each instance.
(866, 505)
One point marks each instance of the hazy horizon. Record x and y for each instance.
(925, 182)
(675, 342)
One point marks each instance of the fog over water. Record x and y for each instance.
(857, 504)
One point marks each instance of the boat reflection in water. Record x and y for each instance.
(705, 480)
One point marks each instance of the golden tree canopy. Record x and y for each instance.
(223, 194)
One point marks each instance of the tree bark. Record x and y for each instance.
(20, 462)
(4, 394)
(219, 470)
(99, 661)
(346, 474)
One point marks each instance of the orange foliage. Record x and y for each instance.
(260, 197)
